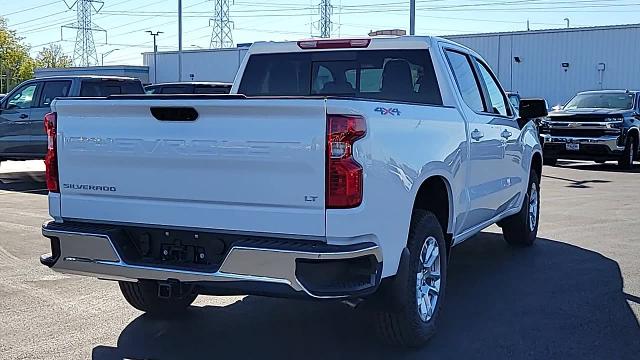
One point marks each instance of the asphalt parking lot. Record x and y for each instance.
(575, 294)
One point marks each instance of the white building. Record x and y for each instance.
(552, 64)
(197, 65)
(556, 64)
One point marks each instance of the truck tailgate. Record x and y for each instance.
(254, 165)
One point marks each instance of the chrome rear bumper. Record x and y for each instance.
(94, 254)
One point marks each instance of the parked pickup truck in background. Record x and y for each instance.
(347, 169)
(594, 125)
(22, 134)
(189, 88)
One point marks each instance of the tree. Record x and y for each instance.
(15, 63)
(53, 57)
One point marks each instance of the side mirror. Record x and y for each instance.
(533, 108)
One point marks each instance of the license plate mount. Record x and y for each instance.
(572, 147)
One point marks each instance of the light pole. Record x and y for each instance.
(568, 22)
(106, 54)
(155, 54)
(179, 40)
(412, 17)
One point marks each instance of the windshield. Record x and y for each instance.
(621, 101)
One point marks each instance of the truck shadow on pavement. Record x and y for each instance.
(551, 301)
(610, 166)
(27, 181)
(577, 184)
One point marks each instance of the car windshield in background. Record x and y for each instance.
(394, 75)
(621, 101)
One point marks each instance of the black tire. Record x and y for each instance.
(520, 229)
(402, 324)
(550, 161)
(143, 295)
(630, 153)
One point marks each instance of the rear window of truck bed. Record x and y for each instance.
(392, 75)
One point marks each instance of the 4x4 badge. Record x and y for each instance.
(387, 111)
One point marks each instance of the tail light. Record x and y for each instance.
(51, 159)
(344, 173)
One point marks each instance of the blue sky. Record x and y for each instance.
(40, 21)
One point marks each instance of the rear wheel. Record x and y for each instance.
(522, 228)
(630, 153)
(143, 295)
(550, 161)
(421, 289)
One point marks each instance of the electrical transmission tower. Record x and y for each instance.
(84, 52)
(324, 24)
(221, 34)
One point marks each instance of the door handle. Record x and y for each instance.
(23, 116)
(477, 135)
(506, 134)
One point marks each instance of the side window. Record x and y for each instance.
(370, 80)
(205, 89)
(466, 80)
(178, 89)
(323, 77)
(498, 102)
(52, 90)
(101, 87)
(515, 101)
(23, 98)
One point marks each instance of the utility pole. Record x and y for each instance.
(324, 24)
(84, 52)
(155, 54)
(106, 54)
(221, 36)
(412, 17)
(179, 41)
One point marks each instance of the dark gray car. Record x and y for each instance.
(22, 135)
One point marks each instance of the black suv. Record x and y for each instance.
(594, 125)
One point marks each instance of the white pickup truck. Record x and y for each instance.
(346, 169)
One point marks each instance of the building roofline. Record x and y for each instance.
(546, 31)
(197, 50)
(88, 68)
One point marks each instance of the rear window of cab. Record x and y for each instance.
(392, 75)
